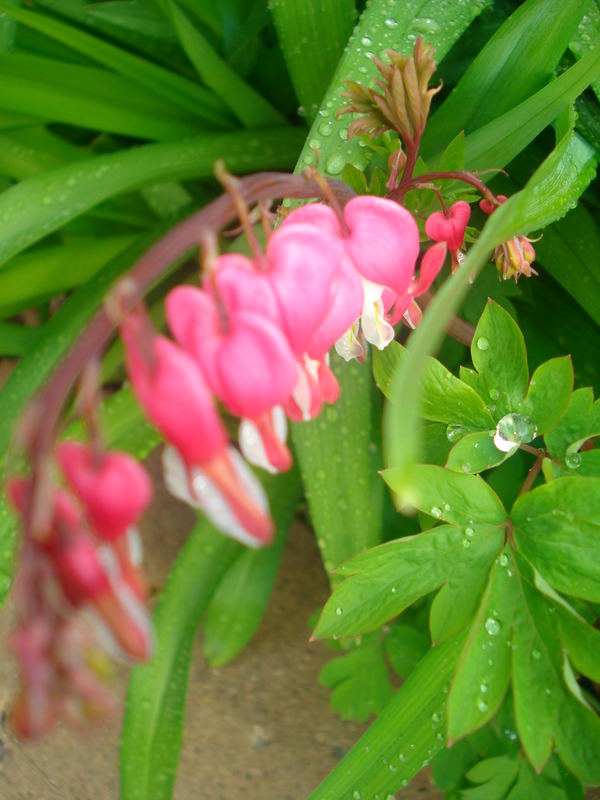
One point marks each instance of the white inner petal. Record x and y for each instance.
(348, 345)
(134, 546)
(302, 394)
(376, 330)
(252, 447)
(208, 497)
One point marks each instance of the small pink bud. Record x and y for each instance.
(81, 574)
(114, 488)
(487, 207)
(449, 226)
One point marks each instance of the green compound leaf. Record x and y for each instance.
(153, 722)
(405, 646)
(240, 600)
(57, 196)
(475, 453)
(409, 731)
(556, 529)
(580, 422)
(312, 37)
(516, 62)
(450, 497)
(445, 397)
(387, 579)
(549, 706)
(359, 681)
(498, 354)
(549, 393)
(382, 25)
(483, 672)
(495, 776)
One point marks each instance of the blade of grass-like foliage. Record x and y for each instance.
(241, 598)
(382, 25)
(498, 142)
(8, 29)
(9, 121)
(243, 101)
(86, 110)
(90, 97)
(41, 274)
(34, 149)
(569, 250)
(550, 193)
(43, 203)
(517, 61)
(15, 339)
(153, 722)
(312, 36)
(338, 455)
(588, 36)
(405, 736)
(177, 89)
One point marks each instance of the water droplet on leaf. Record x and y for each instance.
(493, 626)
(482, 343)
(455, 432)
(513, 430)
(573, 460)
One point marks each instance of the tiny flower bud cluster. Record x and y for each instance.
(79, 562)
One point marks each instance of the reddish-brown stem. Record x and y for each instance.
(531, 476)
(144, 272)
(465, 177)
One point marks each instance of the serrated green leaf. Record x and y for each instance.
(530, 786)
(359, 682)
(475, 453)
(338, 455)
(407, 732)
(153, 722)
(546, 709)
(55, 197)
(455, 604)
(496, 776)
(549, 393)
(484, 667)
(445, 397)
(373, 34)
(516, 62)
(498, 354)
(449, 496)
(312, 37)
(556, 528)
(387, 579)
(240, 600)
(581, 420)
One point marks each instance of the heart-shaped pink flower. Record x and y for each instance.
(449, 226)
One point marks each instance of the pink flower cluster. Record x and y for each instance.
(256, 336)
(82, 556)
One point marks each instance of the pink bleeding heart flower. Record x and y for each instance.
(302, 262)
(381, 240)
(245, 359)
(174, 395)
(488, 208)
(114, 488)
(449, 226)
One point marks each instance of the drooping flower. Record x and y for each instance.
(244, 357)
(449, 226)
(381, 241)
(514, 257)
(173, 393)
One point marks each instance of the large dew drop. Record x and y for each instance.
(514, 430)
